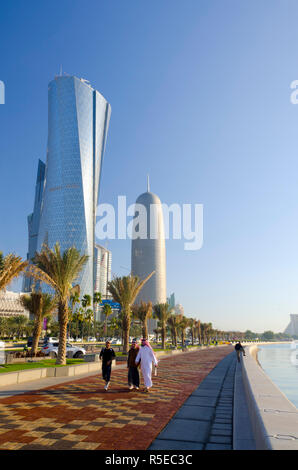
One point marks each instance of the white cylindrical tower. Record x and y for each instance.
(149, 253)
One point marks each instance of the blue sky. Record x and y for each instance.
(200, 96)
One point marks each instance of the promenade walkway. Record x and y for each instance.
(214, 417)
(78, 414)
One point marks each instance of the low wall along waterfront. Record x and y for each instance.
(273, 417)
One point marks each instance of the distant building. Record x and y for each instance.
(171, 300)
(10, 304)
(103, 270)
(102, 274)
(179, 310)
(33, 221)
(149, 253)
(292, 328)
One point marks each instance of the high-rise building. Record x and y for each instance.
(148, 252)
(33, 221)
(78, 120)
(292, 328)
(171, 301)
(103, 266)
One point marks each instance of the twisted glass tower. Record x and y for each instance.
(78, 120)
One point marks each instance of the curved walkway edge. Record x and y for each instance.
(274, 418)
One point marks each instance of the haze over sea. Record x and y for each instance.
(279, 362)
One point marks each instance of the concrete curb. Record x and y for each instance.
(243, 438)
(274, 418)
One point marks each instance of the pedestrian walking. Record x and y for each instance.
(107, 355)
(133, 373)
(239, 348)
(146, 356)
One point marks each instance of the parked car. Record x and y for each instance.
(30, 342)
(116, 341)
(91, 339)
(78, 340)
(53, 347)
(51, 339)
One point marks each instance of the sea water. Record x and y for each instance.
(280, 363)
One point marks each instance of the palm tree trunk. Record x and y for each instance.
(62, 318)
(145, 329)
(126, 327)
(163, 336)
(36, 334)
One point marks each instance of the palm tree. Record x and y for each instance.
(174, 322)
(198, 330)
(192, 325)
(97, 299)
(4, 327)
(88, 317)
(86, 302)
(59, 271)
(157, 332)
(78, 317)
(162, 312)
(206, 329)
(115, 326)
(124, 291)
(40, 305)
(143, 311)
(107, 311)
(184, 323)
(74, 299)
(10, 267)
(20, 322)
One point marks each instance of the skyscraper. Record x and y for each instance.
(292, 328)
(103, 266)
(171, 301)
(78, 120)
(149, 253)
(33, 221)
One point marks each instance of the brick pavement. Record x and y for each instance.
(80, 415)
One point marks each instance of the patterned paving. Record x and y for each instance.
(81, 415)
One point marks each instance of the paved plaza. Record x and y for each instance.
(80, 415)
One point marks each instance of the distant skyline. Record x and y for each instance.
(200, 96)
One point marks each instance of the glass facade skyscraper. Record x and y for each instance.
(78, 120)
(33, 221)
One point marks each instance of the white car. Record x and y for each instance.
(91, 339)
(116, 341)
(53, 347)
(51, 339)
(78, 340)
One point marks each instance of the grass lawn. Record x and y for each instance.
(36, 365)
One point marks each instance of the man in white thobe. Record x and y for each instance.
(146, 356)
